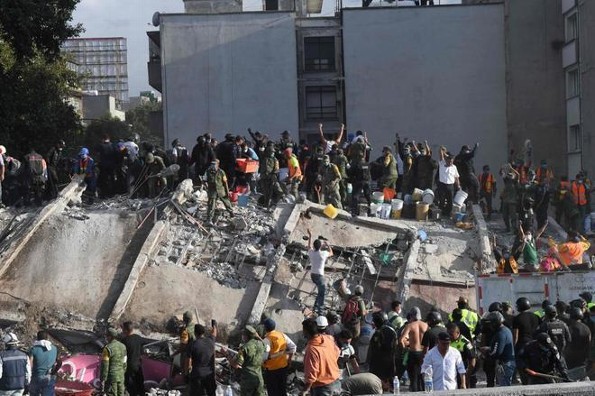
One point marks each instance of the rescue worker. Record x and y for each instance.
(340, 160)
(430, 338)
(249, 359)
(424, 167)
(389, 172)
(405, 177)
(294, 177)
(541, 356)
(330, 177)
(507, 262)
(555, 329)
(85, 165)
(217, 189)
(580, 194)
(155, 182)
(15, 368)
(269, 177)
(540, 313)
(107, 159)
(279, 350)
(201, 157)
(381, 354)
(467, 350)
(359, 176)
(573, 250)
(501, 348)
(577, 354)
(311, 171)
(544, 175)
(227, 153)
(113, 365)
(464, 163)
(469, 317)
(510, 200)
(523, 328)
(542, 203)
(487, 189)
(45, 363)
(134, 343)
(35, 178)
(561, 191)
(53, 160)
(357, 150)
(588, 297)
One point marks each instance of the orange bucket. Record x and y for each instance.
(389, 193)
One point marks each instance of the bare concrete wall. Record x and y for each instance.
(224, 73)
(587, 56)
(435, 73)
(536, 92)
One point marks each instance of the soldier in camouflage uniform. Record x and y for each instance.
(113, 365)
(342, 164)
(217, 188)
(269, 178)
(331, 177)
(250, 359)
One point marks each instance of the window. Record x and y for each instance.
(575, 139)
(321, 103)
(319, 54)
(571, 27)
(271, 5)
(572, 83)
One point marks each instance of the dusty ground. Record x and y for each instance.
(77, 265)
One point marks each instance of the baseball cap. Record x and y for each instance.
(321, 321)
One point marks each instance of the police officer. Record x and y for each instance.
(113, 365)
(330, 178)
(467, 350)
(217, 189)
(15, 368)
(541, 356)
(555, 328)
(469, 317)
(250, 359)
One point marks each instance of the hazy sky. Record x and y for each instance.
(131, 19)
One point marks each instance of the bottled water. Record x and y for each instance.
(428, 380)
(396, 386)
(228, 391)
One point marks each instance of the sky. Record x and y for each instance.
(132, 19)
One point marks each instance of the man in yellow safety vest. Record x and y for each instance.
(279, 351)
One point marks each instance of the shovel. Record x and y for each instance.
(171, 170)
(547, 376)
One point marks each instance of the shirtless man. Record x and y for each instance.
(411, 339)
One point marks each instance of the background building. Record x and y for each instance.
(103, 64)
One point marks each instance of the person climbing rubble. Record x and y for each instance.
(155, 182)
(85, 165)
(354, 313)
(217, 189)
(318, 251)
(113, 365)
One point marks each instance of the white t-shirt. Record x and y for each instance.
(317, 260)
(447, 174)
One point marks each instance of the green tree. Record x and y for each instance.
(34, 77)
(115, 128)
(139, 117)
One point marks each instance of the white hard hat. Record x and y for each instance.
(2, 149)
(359, 289)
(321, 321)
(10, 338)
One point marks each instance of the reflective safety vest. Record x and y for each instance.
(540, 313)
(514, 267)
(470, 318)
(579, 193)
(460, 344)
(278, 354)
(590, 305)
(486, 182)
(294, 168)
(544, 175)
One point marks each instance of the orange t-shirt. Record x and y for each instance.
(572, 252)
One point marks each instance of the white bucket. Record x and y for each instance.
(385, 211)
(396, 204)
(428, 196)
(460, 198)
(373, 209)
(378, 197)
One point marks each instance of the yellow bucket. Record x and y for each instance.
(330, 211)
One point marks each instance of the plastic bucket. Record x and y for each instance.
(395, 213)
(373, 209)
(243, 200)
(378, 197)
(385, 210)
(460, 198)
(421, 211)
(396, 204)
(389, 193)
(417, 194)
(459, 216)
(428, 196)
(408, 199)
(330, 211)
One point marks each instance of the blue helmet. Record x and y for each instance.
(84, 152)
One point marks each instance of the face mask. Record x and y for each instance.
(580, 181)
(326, 163)
(529, 237)
(506, 256)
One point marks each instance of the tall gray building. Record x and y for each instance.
(103, 63)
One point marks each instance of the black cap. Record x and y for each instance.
(443, 336)
(586, 296)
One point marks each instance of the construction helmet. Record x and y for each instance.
(523, 304)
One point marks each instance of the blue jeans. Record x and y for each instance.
(42, 386)
(333, 388)
(320, 283)
(504, 373)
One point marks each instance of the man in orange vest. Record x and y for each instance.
(279, 351)
(543, 174)
(487, 188)
(580, 195)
